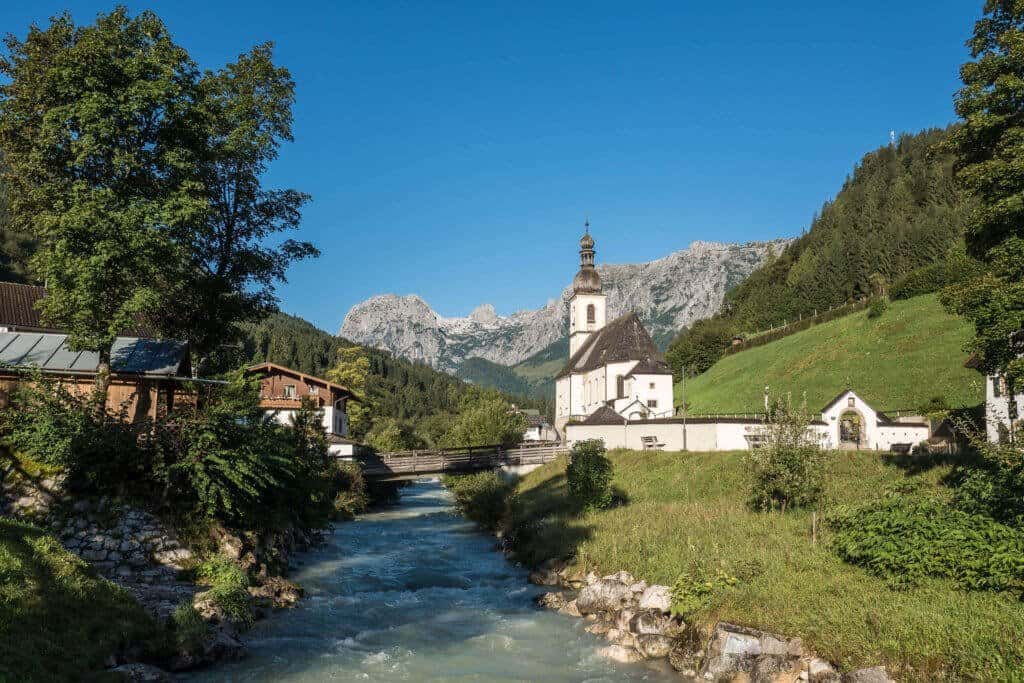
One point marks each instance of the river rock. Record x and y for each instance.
(621, 577)
(874, 674)
(598, 628)
(733, 649)
(550, 600)
(656, 597)
(821, 671)
(277, 592)
(685, 660)
(141, 672)
(653, 646)
(618, 653)
(570, 609)
(653, 622)
(604, 595)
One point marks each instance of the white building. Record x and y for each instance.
(846, 422)
(538, 428)
(613, 365)
(1001, 415)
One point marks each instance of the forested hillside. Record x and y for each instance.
(398, 388)
(899, 212)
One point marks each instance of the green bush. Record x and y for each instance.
(909, 540)
(486, 422)
(877, 306)
(229, 588)
(482, 497)
(788, 470)
(353, 495)
(589, 475)
(189, 627)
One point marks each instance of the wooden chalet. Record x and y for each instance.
(282, 390)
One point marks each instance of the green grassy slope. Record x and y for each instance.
(913, 352)
(58, 620)
(686, 515)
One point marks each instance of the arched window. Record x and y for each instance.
(591, 314)
(620, 387)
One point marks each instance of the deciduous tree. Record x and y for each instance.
(990, 149)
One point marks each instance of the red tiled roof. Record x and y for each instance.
(17, 305)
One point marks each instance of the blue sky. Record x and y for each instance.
(453, 148)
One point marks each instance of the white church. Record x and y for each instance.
(618, 388)
(613, 366)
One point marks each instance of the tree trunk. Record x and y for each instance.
(102, 384)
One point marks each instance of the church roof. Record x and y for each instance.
(650, 367)
(604, 416)
(620, 341)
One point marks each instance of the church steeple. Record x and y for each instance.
(587, 305)
(587, 281)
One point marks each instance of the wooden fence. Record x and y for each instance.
(453, 460)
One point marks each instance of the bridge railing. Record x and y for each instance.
(457, 459)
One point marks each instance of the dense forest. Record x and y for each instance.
(900, 212)
(398, 388)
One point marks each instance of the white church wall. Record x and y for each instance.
(657, 388)
(579, 328)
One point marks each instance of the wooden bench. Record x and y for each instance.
(651, 443)
(901, 448)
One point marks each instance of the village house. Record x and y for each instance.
(282, 390)
(148, 376)
(538, 428)
(613, 368)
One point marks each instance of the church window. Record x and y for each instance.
(591, 314)
(651, 385)
(620, 386)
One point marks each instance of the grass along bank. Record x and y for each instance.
(686, 515)
(900, 360)
(58, 620)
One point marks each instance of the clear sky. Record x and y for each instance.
(453, 149)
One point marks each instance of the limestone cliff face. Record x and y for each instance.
(669, 293)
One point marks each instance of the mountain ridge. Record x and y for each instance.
(668, 293)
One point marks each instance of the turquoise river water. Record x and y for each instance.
(417, 593)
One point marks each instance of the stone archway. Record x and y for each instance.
(852, 429)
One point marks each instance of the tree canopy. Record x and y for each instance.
(990, 162)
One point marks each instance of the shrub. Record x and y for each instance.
(229, 588)
(994, 485)
(353, 496)
(388, 435)
(482, 497)
(189, 628)
(907, 540)
(877, 306)
(486, 422)
(788, 470)
(589, 475)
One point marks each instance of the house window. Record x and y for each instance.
(591, 315)
(620, 386)
(312, 390)
(651, 385)
(289, 391)
(651, 403)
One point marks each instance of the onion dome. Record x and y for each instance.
(587, 281)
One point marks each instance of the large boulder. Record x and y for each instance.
(733, 649)
(875, 674)
(653, 622)
(656, 597)
(619, 653)
(604, 595)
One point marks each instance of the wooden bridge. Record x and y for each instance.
(412, 464)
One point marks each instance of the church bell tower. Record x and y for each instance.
(587, 307)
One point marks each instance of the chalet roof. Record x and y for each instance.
(620, 341)
(270, 368)
(604, 416)
(50, 352)
(17, 305)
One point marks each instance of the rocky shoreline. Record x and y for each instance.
(636, 620)
(137, 551)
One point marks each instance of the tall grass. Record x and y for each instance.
(687, 514)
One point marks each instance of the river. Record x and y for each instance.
(416, 593)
